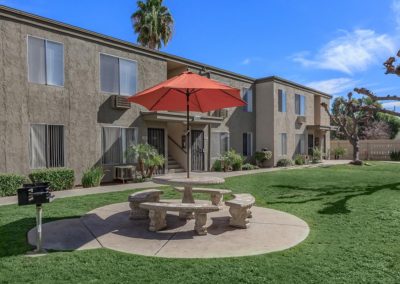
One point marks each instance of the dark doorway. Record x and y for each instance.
(156, 138)
(197, 150)
(310, 144)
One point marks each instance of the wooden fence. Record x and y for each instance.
(378, 150)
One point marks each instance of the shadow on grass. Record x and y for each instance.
(339, 206)
(13, 235)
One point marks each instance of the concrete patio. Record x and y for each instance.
(110, 227)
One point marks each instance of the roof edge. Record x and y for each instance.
(288, 82)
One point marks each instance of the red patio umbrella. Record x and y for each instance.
(188, 92)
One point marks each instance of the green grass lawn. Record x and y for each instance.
(353, 213)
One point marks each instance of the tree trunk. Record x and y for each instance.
(356, 151)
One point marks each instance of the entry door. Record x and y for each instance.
(197, 150)
(310, 144)
(156, 138)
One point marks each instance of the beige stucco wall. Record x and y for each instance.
(79, 105)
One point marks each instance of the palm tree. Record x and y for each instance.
(153, 23)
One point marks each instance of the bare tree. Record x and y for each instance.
(349, 115)
(391, 68)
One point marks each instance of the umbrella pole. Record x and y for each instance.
(187, 134)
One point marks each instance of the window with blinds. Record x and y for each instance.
(247, 144)
(248, 98)
(283, 146)
(281, 100)
(300, 144)
(46, 146)
(45, 62)
(300, 104)
(220, 143)
(115, 142)
(117, 75)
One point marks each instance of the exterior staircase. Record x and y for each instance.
(174, 166)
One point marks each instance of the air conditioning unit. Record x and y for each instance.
(301, 119)
(120, 102)
(124, 173)
(221, 113)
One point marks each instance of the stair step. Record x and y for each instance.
(180, 170)
(174, 167)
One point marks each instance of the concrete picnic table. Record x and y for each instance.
(188, 184)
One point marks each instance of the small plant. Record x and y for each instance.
(339, 151)
(232, 160)
(395, 155)
(262, 156)
(316, 155)
(284, 162)
(217, 166)
(58, 178)
(248, 166)
(147, 157)
(9, 183)
(300, 159)
(92, 177)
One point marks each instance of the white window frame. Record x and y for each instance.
(123, 162)
(282, 147)
(119, 89)
(30, 144)
(251, 143)
(300, 110)
(283, 94)
(249, 106)
(45, 44)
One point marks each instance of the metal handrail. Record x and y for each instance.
(173, 141)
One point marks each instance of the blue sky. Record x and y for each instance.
(332, 46)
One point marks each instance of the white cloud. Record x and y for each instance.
(396, 11)
(334, 86)
(350, 52)
(246, 61)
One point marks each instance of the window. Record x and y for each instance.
(220, 143)
(45, 62)
(247, 144)
(46, 146)
(115, 142)
(300, 144)
(248, 98)
(117, 75)
(299, 105)
(281, 101)
(283, 144)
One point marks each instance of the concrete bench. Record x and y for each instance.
(217, 195)
(158, 212)
(136, 198)
(240, 210)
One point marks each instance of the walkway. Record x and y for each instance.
(127, 186)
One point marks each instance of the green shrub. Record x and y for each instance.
(58, 178)
(284, 162)
(9, 183)
(339, 151)
(217, 166)
(300, 159)
(262, 156)
(232, 160)
(316, 155)
(395, 155)
(248, 166)
(92, 177)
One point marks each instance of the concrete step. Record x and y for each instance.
(172, 171)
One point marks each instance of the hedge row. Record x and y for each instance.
(58, 178)
(9, 183)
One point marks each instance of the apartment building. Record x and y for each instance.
(63, 95)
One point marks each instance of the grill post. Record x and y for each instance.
(39, 211)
